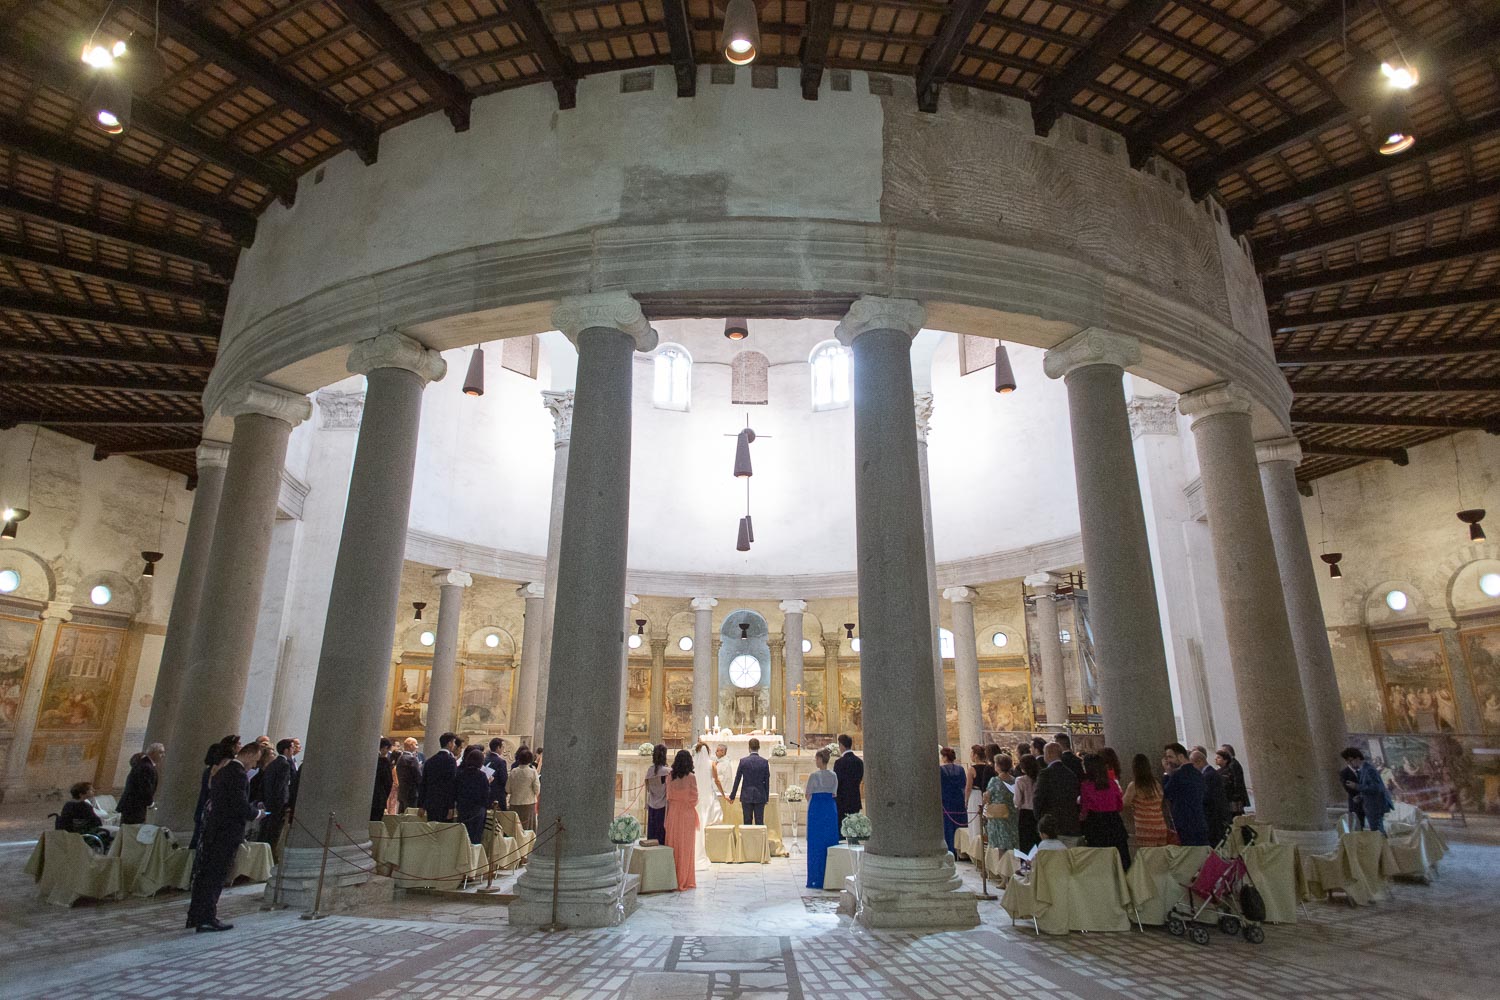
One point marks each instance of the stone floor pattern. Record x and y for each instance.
(749, 932)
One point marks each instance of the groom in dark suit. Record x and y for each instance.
(851, 771)
(755, 771)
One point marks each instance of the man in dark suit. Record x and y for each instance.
(1056, 794)
(1234, 780)
(755, 771)
(850, 771)
(440, 781)
(224, 819)
(1185, 790)
(276, 792)
(1215, 797)
(1071, 759)
(495, 762)
(408, 776)
(140, 785)
(385, 780)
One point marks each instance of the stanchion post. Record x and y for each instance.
(317, 913)
(281, 838)
(557, 861)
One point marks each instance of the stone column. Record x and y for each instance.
(791, 631)
(54, 614)
(1049, 648)
(607, 328)
(1304, 610)
(1134, 686)
(532, 715)
(213, 687)
(213, 459)
(349, 695)
(657, 712)
(703, 666)
(1267, 683)
(627, 629)
(924, 403)
(442, 691)
(833, 648)
(907, 877)
(533, 594)
(966, 670)
(778, 677)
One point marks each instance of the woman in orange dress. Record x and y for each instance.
(682, 819)
(1143, 797)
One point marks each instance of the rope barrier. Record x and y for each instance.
(396, 869)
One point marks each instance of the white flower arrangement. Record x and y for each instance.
(856, 827)
(624, 830)
(794, 793)
(778, 751)
(645, 749)
(834, 750)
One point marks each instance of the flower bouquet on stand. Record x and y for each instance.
(855, 828)
(778, 751)
(624, 831)
(794, 794)
(645, 749)
(834, 751)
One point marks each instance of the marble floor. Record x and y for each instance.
(748, 932)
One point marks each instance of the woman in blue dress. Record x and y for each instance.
(955, 809)
(822, 819)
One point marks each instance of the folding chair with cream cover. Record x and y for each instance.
(66, 869)
(1080, 889)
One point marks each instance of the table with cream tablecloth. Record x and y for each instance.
(1159, 877)
(1276, 872)
(840, 865)
(1079, 889)
(151, 860)
(1001, 866)
(66, 869)
(437, 855)
(1360, 868)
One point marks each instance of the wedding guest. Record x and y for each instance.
(979, 773)
(1374, 797)
(257, 779)
(1057, 794)
(228, 811)
(1025, 790)
(1215, 798)
(1184, 790)
(384, 778)
(495, 761)
(1239, 793)
(1143, 797)
(1100, 803)
(408, 776)
(1112, 762)
(439, 780)
(953, 779)
(78, 816)
(1001, 831)
(523, 787)
(656, 794)
(851, 772)
(1348, 780)
(217, 756)
(681, 822)
(279, 793)
(1038, 748)
(1047, 830)
(1071, 759)
(822, 818)
(140, 785)
(471, 793)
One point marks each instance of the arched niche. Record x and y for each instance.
(478, 643)
(1378, 613)
(36, 580)
(742, 704)
(124, 593)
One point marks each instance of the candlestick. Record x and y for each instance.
(773, 723)
(705, 723)
(716, 723)
(763, 723)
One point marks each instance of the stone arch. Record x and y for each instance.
(1460, 573)
(1377, 614)
(476, 642)
(38, 582)
(125, 597)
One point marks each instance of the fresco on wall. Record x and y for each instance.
(815, 707)
(950, 707)
(677, 717)
(851, 703)
(17, 637)
(1415, 685)
(638, 703)
(80, 681)
(1005, 699)
(484, 702)
(409, 705)
(1482, 654)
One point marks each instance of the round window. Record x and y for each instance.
(9, 581)
(492, 640)
(807, 645)
(427, 638)
(854, 644)
(999, 639)
(1489, 583)
(685, 644)
(634, 642)
(1397, 600)
(744, 671)
(100, 595)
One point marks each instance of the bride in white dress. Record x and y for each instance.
(709, 812)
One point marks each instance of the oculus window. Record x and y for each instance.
(1489, 584)
(744, 671)
(685, 644)
(100, 595)
(10, 580)
(1397, 600)
(999, 639)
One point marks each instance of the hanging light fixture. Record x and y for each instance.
(1005, 379)
(640, 626)
(108, 106)
(13, 514)
(744, 630)
(1332, 559)
(743, 544)
(742, 454)
(1392, 126)
(740, 40)
(13, 517)
(736, 329)
(1400, 75)
(417, 606)
(152, 558)
(1472, 517)
(474, 380)
(848, 630)
(750, 528)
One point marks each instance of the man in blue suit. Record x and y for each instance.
(440, 781)
(1185, 791)
(755, 771)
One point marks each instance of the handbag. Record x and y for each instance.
(997, 810)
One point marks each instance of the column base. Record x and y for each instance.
(910, 893)
(347, 881)
(589, 893)
(1309, 841)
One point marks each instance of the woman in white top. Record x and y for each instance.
(522, 788)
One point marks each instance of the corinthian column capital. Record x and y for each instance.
(607, 310)
(924, 406)
(560, 405)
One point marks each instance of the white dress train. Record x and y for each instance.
(708, 800)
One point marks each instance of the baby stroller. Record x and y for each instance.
(1223, 886)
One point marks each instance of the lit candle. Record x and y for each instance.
(762, 723)
(716, 723)
(705, 723)
(773, 723)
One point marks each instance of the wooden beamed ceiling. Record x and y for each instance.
(1381, 273)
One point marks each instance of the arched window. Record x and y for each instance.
(945, 644)
(674, 378)
(831, 363)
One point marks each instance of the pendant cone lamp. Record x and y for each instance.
(742, 467)
(743, 544)
(474, 379)
(1005, 379)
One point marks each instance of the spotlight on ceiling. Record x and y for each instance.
(1472, 518)
(152, 558)
(736, 329)
(1332, 559)
(1005, 379)
(108, 106)
(417, 606)
(102, 56)
(740, 41)
(474, 380)
(1400, 76)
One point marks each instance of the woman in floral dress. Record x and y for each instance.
(1002, 833)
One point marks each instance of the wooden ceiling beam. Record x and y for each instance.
(252, 69)
(680, 41)
(1443, 253)
(1456, 138)
(1405, 352)
(1205, 177)
(101, 452)
(217, 261)
(65, 418)
(939, 58)
(58, 150)
(444, 88)
(813, 49)
(58, 380)
(1397, 455)
(209, 296)
(1032, 30)
(172, 360)
(1308, 32)
(1382, 308)
(1324, 418)
(1395, 387)
(204, 330)
(556, 64)
(1057, 93)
